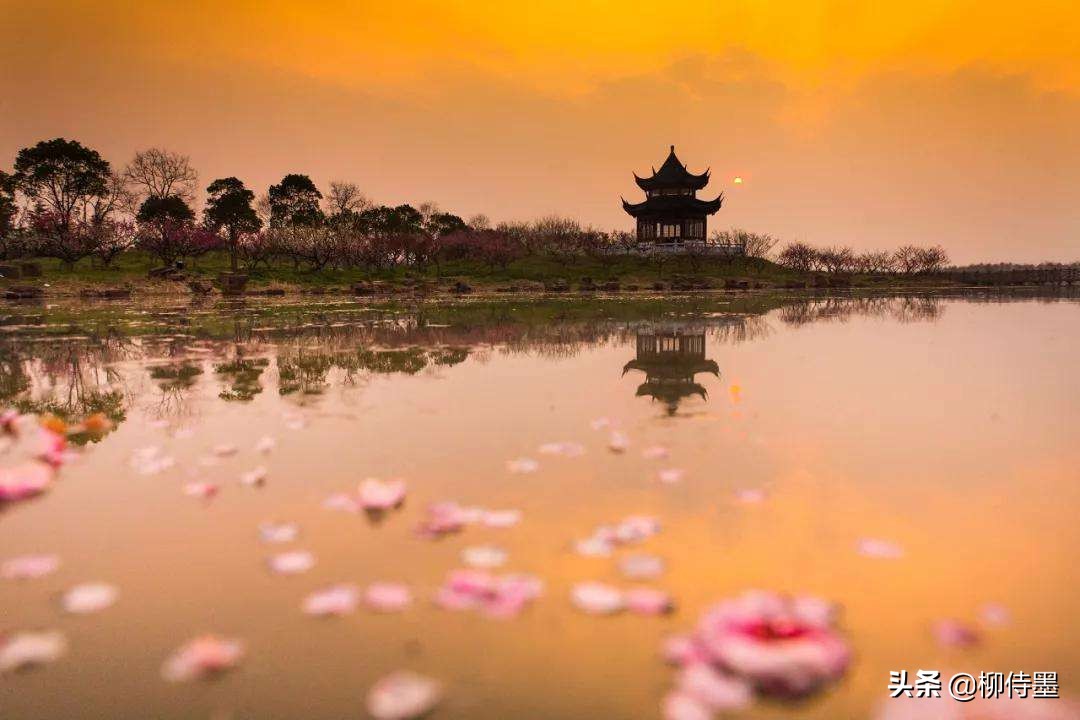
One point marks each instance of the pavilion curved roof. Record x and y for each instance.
(676, 203)
(672, 174)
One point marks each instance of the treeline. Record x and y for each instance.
(63, 200)
(905, 260)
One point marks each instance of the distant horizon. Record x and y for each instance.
(873, 132)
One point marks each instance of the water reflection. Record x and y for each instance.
(72, 364)
(670, 357)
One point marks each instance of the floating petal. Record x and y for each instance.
(29, 567)
(20, 651)
(641, 567)
(483, 556)
(202, 658)
(334, 600)
(522, 465)
(597, 599)
(292, 563)
(387, 596)
(403, 695)
(89, 598)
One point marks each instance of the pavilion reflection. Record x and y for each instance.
(671, 357)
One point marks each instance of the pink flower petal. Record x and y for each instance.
(647, 601)
(342, 502)
(24, 650)
(655, 452)
(442, 519)
(995, 614)
(597, 598)
(24, 481)
(403, 695)
(265, 444)
(641, 567)
(750, 496)
(29, 567)
(89, 598)
(202, 658)
(682, 650)
(680, 706)
(254, 478)
(292, 563)
(595, 546)
(953, 633)
(388, 597)
(565, 449)
(204, 490)
(278, 532)
(483, 556)
(670, 476)
(501, 518)
(377, 495)
(522, 465)
(716, 690)
(880, 549)
(334, 600)
(600, 423)
(225, 450)
(618, 442)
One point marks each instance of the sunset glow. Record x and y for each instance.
(516, 111)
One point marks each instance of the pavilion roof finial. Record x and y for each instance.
(672, 148)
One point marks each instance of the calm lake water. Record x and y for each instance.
(944, 429)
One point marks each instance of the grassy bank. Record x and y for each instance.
(131, 270)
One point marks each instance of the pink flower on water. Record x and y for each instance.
(641, 567)
(953, 633)
(495, 595)
(597, 598)
(565, 449)
(29, 567)
(387, 596)
(334, 600)
(24, 481)
(618, 442)
(376, 495)
(879, 549)
(52, 447)
(204, 657)
(403, 695)
(292, 563)
(648, 601)
(680, 706)
(783, 646)
(670, 476)
(522, 465)
(500, 518)
(20, 651)
(716, 690)
(442, 519)
(655, 452)
(204, 490)
(89, 598)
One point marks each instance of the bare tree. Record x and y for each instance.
(906, 259)
(836, 259)
(160, 173)
(798, 256)
(479, 222)
(932, 259)
(875, 262)
(755, 245)
(345, 197)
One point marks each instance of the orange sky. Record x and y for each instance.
(869, 124)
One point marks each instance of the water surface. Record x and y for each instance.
(944, 425)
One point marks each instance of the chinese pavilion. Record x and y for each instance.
(672, 212)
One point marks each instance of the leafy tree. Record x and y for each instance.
(7, 203)
(440, 224)
(229, 208)
(61, 177)
(170, 208)
(295, 201)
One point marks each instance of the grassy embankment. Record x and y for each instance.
(131, 270)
